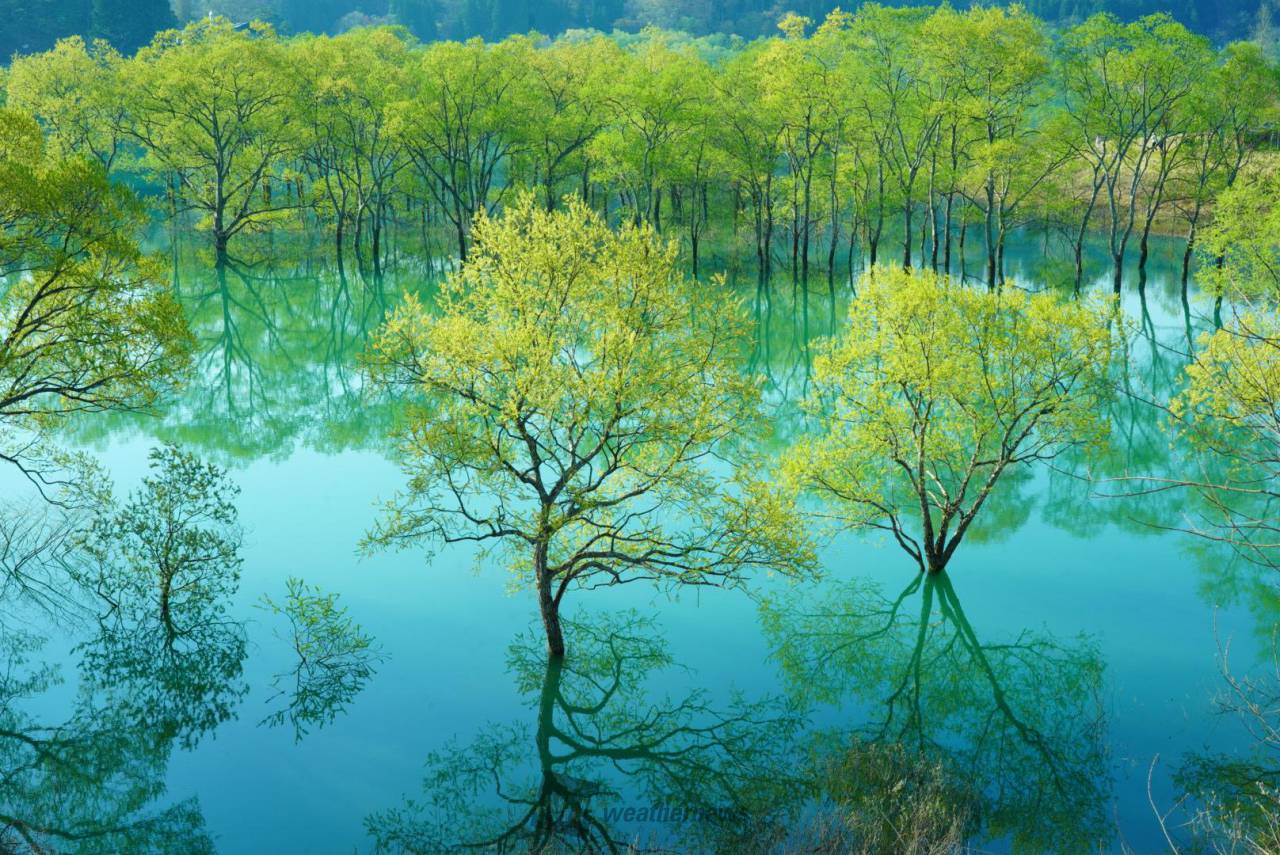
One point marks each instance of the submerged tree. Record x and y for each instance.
(173, 548)
(935, 391)
(164, 565)
(209, 104)
(1229, 410)
(74, 92)
(334, 659)
(577, 393)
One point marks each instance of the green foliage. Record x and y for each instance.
(903, 124)
(575, 388)
(171, 551)
(1229, 410)
(87, 322)
(885, 798)
(74, 90)
(334, 658)
(209, 105)
(1245, 235)
(934, 390)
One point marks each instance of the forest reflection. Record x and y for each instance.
(276, 366)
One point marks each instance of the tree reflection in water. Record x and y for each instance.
(606, 768)
(275, 360)
(91, 783)
(1020, 720)
(161, 668)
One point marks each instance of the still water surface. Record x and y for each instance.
(1071, 645)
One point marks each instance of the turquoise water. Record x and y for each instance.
(1073, 646)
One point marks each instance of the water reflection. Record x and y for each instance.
(1002, 732)
(88, 783)
(605, 766)
(1019, 718)
(1231, 801)
(276, 362)
(164, 565)
(151, 578)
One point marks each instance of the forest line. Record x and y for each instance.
(889, 133)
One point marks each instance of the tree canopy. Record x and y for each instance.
(934, 391)
(577, 395)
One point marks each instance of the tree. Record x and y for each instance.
(565, 111)
(995, 63)
(1229, 411)
(574, 391)
(348, 85)
(750, 142)
(335, 658)
(209, 105)
(73, 91)
(1230, 414)
(1223, 126)
(1125, 88)
(898, 98)
(173, 547)
(87, 321)
(653, 104)
(934, 392)
(804, 90)
(456, 125)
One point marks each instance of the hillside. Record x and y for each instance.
(34, 25)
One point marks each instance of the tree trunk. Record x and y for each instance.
(166, 615)
(548, 606)
(946, 235)
(1186, 257)
(906, 243)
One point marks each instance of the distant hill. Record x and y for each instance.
(34, 25)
